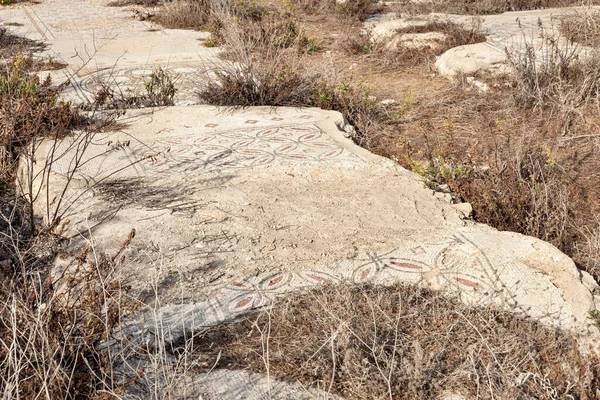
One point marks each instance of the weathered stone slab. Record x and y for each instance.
(235, 208)
(505, 32)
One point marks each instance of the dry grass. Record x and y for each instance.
(182, 14)
(403, 342)
(267, 68)
(516, 166)
(52, 328)
(481, 7)
(144, 3)
(554, 76)
(356, 9)
(582, 27)
(205, 14)
(52, 322)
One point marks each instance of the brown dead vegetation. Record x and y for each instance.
(525, 154)
(51, 325)
(582, 27)
(402, 342)
(482, 7)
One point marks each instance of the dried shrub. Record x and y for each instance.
(556, 75)
(53, 325)
(402, 342)
(518, 167)
(357, 9)
(582, 27)
(527, 191)
(159, 91)
(481, 7)
(206, 14)
(144, 3)
(30, 109)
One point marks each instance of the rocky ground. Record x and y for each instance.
(235, 208)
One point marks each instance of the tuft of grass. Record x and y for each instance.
(402, 342)
(159, 91)
(52, 327)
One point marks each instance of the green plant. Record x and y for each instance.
(594, 315)
(159, 91)
(212, 41)
(311, 44)
(437, 171)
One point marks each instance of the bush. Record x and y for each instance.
(582, 27)
(30, 110)
(206, 14)
(357, 9)
(52, 327)
(556, 75)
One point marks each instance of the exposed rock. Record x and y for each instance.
(504, 32)
(465, 209)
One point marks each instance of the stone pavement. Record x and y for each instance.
(508, 31)
(106, 44)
